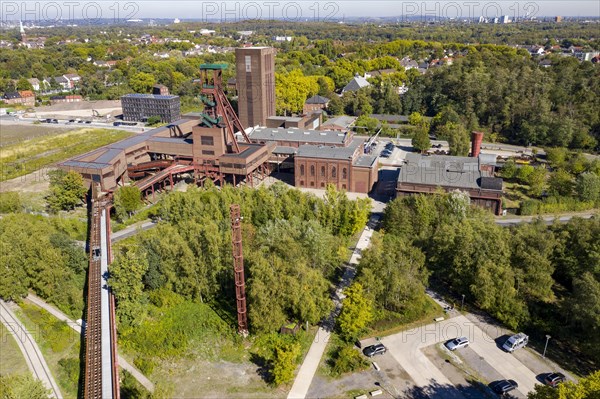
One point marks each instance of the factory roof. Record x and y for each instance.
(365, 161)
(447, 171)
(329, 152)
(298, 135)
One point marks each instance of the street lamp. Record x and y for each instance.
(480, 363)
(546, 346)
(462, 304)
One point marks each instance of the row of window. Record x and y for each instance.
(312, 184)
(323, 172)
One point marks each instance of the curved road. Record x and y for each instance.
(31, 352)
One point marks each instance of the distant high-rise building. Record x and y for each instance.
(558, 18)
(256, 84)
(505, 19)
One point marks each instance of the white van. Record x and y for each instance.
(515, 342)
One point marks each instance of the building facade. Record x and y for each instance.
(255, 79)
(139, 107)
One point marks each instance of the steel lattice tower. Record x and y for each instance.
(238, 267)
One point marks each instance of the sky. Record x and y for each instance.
(292, 10)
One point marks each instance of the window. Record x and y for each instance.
(208, 152)
(248, 62)
(333, 172)
(312, 170)
(343, 186)
(301, 171)
(344, 173)
(207, 140)
(312, 183)
(322, 184)
(322, 171)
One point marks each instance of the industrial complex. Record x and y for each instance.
(219, 145)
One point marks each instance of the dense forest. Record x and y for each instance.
(294, 246)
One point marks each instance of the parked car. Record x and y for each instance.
(502, 387)
(457, 343)
(553, 379)
(515, 342)
(88, 121)
(378, 349)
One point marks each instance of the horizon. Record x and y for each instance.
(291, 11)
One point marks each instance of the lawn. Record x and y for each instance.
(22, 158)
(11, 357)
(59, 345)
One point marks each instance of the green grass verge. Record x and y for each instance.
(59, 344)
(31, 155)
(12, 360)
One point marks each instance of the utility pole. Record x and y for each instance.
(238, 268)
(546, 346)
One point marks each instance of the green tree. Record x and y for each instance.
(125, 277)
(23, 84)
(153, 120)
(586, 388)
(420, 140)
(284, 362)
(347, 360)
(588, 187)
(66, 190)
(458, 139)
(127, 200)
(561, 183)
(537, 181)
(142, 82)
(557, 157)
(509, 169)
(356, 314)
(366, 124)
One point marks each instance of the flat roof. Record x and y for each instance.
(298, 135)
(365, 161)
(154, 96)
(329, 152)
(447, 171)
(284, 150)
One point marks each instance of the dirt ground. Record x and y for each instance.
(35, 182)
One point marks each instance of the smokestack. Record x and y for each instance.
(476, 140)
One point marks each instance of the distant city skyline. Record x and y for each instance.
(297, 10)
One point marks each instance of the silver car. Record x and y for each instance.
(457, 343)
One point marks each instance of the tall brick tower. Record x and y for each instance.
(256, 84)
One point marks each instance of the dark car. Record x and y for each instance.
(88, 121)
(373, 350)
(554, 379)
(503, 386)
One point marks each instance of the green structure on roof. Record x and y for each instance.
(213, 66)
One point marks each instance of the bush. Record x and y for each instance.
(346, 360)
(10, 202)
(145, 365)
(69, 366)
(554, 205)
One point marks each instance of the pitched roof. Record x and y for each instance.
(10, 96)
(317, 99)
(342, 121)
(357, 83)
(26, 93)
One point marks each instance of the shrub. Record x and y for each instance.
(346, 360)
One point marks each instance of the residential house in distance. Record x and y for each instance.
(65, 99)
(282, 38)
(339, 124)
(35, 83)
(73, 79)
(407, 63)
(379, 72)
(161, 90)
(357, 83)
(25, 97)
(315, 103)
(63, 82)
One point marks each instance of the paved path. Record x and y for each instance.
(315, 353)
(31, 352)
(562, 218)
(142, 379)
(131, 230)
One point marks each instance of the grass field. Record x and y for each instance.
(59, 344)
(17, 133)
(11, 357)
(41, 151)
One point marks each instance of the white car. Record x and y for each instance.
(457, 343)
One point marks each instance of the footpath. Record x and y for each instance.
(31, 352)
(315, 353)
(141, 378)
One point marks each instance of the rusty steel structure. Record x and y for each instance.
(95, 380)
(238, 267)
(216, 104)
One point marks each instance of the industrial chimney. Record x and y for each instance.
(476, 140)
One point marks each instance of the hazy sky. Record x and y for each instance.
(294, 10)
